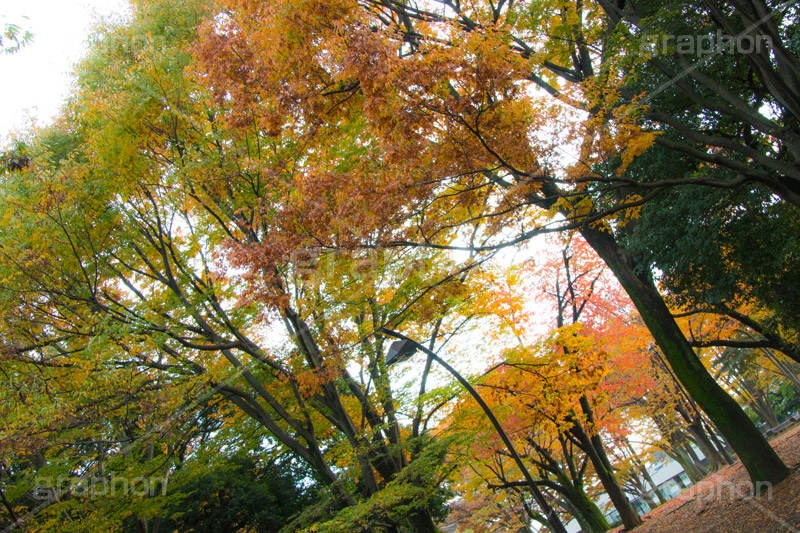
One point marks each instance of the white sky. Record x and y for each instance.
(35, 80)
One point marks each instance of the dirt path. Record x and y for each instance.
(722, 502)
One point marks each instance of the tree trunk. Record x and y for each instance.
(695, 472)
(675, 449)
(644, 494)
(687, 445)
(591, 514)
(576, 514)
(758, 457)
(422, 522)
(630, 518)
(763, 408)
(784, 369)
(649, 479)
(646, 476)
(715, 460)
(721, 447)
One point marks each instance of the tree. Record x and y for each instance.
(709, 105)
(643, 393)
(441, 92)
(729, 252)
(535, 392)
(637, 479)
(209, 208)
(578, 279)
(150, 250)
(561, 439)
(246, 493)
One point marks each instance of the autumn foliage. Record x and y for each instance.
(201, 257)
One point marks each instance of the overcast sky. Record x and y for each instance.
(35, 80)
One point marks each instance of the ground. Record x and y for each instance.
(723, 502)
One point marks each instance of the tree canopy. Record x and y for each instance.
(200, 257)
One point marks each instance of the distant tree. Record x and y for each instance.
(785, 400)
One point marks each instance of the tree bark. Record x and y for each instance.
(630, 518)
(715, 459)
(695, 472)
(591, 514)
(645, 495)
(687, 446)
(422, 522)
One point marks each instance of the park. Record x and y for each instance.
(395, 266)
